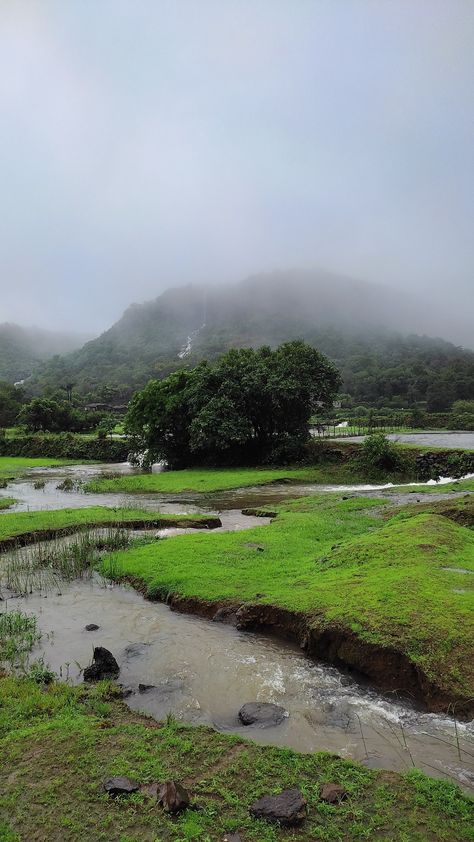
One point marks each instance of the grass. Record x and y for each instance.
(13, 466)
(6, 502)
(18, 525)
(342, 566)
(18, 634)
(220, 479)
(456, 485)
(59, 743)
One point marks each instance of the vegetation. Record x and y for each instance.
(69, 446)
(6, 502)
(19, 525)
(59, 743)
(251, 407)
(11, 402)
(12, 466)
(335, 562)
(379, 457)
(379, 368)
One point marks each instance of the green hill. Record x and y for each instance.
(368, 330)
(22, 349)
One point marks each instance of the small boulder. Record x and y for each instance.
(92, 627)
(173, 797)
(262, 714)
(332, 793)
(232, 837)
(120, 786)
(287, 809)
(104, 665)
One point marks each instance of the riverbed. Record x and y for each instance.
(202, 672)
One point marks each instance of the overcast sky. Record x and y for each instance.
(147, 143)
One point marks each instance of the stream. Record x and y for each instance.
(203, 672)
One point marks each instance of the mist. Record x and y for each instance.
(147, 145)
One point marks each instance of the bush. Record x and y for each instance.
(66, 446)
(379, 456)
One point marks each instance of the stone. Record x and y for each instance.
(143, 688)
(332, 793)
(150, 790)
(232, 837)
(120, 786)
(104, 665)
(287, 809)
(173, 797)
(92, 627)
(262, 714)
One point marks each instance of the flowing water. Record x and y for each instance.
(203, 672)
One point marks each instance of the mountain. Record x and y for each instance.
(371, 332)
(22, 349)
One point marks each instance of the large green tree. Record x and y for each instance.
(251, 406)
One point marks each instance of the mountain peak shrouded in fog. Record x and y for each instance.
(147, 146)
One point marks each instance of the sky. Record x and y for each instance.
(150, 143)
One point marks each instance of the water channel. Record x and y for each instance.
(203, 672)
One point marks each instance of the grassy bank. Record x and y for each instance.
(221, 479)
(11, 466)
(456, 485)
(59, 743)
(20, 525)
(6, 502)
(341, 567)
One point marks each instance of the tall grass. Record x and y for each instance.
(18, 635)
(41, 566)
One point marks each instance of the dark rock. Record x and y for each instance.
(332, 793)
(126, 692)
(104, 665)
(263, 714)
(142, 688)
(287, 809)
(251, 545)
(232, 837)
(172, 797)
(120, 786)
(92, 627)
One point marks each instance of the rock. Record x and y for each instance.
(226, 614)
(173, 797)
(126, 692)
(104, 665)
(232, 837)
(92, 627)
(287, 809)
(143, 688)
(263, 714)
(251, 545)
(151, 790)
(332, 793)
(120, 786)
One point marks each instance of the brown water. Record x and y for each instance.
(203, 672)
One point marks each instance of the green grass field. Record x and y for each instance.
(58, 743)
(20, 524)
(11, 466)
(220, 479)
(339, 564)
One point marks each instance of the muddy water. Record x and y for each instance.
(203, 672)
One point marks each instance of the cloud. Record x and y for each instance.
(147, 144)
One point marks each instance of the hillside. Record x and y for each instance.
(23, 348)
(369, 331)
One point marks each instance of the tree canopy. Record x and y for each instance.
(252, 406)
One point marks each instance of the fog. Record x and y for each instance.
(153, 143)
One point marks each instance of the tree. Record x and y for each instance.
(251, 406)
(43, 414)
(11, 401)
